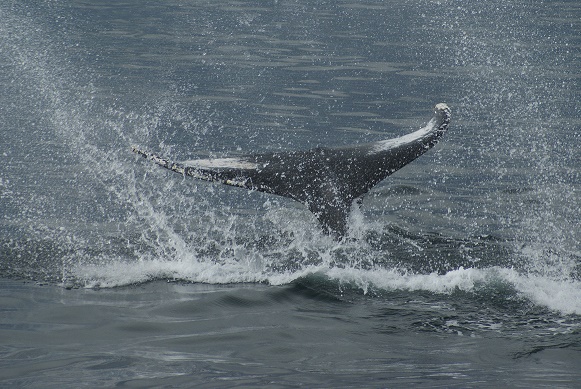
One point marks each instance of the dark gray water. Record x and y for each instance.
(461, 270)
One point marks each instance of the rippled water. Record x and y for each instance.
(463, 269)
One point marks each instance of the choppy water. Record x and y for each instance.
(463, 269)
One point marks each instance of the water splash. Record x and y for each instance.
(519, 104)
(111, 221)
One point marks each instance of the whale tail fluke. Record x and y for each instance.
(326, 180)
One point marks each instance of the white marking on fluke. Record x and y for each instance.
(234, 163)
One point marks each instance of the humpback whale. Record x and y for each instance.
(326, 180)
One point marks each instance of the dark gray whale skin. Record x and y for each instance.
(326, 180)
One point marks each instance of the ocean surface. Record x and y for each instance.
(461, 270)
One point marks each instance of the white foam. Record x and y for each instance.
(117, 274)
(559, 295)
(563, 296)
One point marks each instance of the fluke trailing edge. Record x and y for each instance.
(326, 180)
